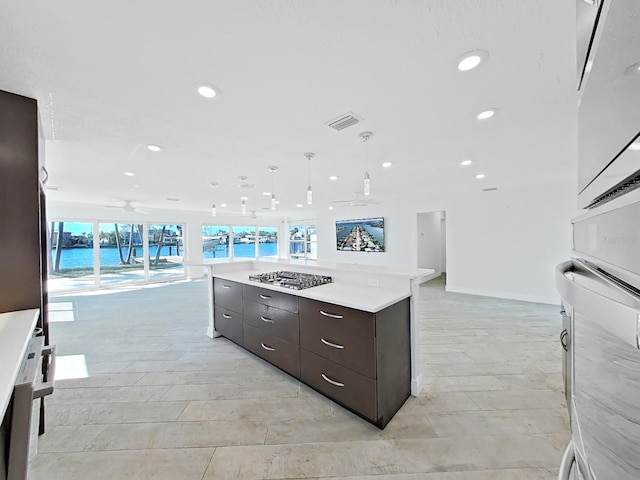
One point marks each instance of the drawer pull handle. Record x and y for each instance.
(226, 315)
(265, 297)
(334, 345)
(268, 320)
(226, 286)
(332, 382)
(332, 315)
(268, 348)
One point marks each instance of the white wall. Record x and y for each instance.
(507, 243)
(399, 237)
(430, 240)
(504, 243)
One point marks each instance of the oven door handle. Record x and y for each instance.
(589, 291)
(47, 386)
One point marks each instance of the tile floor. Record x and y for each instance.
(162, 401)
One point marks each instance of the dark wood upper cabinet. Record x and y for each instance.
(21, 211)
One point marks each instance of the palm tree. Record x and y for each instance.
(124, 261)
(56, 266)
(160, 242)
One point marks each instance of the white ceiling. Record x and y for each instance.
(111, 77)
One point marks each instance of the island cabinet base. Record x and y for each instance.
(360, 360)
(348, 388)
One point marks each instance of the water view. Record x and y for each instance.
(366, 235)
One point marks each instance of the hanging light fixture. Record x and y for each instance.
(213, 205)
(366, 184)
(244, 206)
(309, 156)
(273, 169)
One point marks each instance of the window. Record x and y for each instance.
(303, 241)
(121, 253)
(70, 256)
(268, 241)
(244, 242)
(215, 241)
(166, 251)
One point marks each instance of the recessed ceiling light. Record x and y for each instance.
(299, 205)
(471, 60)
(244, 198)
(466, 162)
(387, 164)
(223, 204)
(486, 114)
(333, 177)
(480, 176)
(278, 202)
(635, 146)
(207, 91)
(266, 193)
(154, 148)
(330, 208)
(129, 174)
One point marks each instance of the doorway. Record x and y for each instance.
(432, 241)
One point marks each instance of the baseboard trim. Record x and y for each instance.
(505, 295)
(416, 385)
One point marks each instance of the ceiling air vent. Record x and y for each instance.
(344, 121)
(490, 189)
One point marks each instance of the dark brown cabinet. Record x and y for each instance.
(227, 310)
(283, 301)
(274, 350)
(228, 294)
(347, 352)
(359, 359)
(351, 389)
(274, 321)
(343, 335)
(229, 324)
(22, 242)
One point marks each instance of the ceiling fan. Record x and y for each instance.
(358, 200)
(128, 207)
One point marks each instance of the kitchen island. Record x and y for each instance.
(385, 301)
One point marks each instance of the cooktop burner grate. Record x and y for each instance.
(293, 280)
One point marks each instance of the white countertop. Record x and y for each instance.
(16, 329)
(361, 297)
(410, 273)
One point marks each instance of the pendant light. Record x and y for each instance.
(273, 169)
(213, 205)
(243, 206)
(366, 184)
(309, 156)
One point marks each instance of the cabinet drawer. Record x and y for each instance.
(343, 335)
(271, 320)
(228, 323)
(346, 387)
(227, 294)
(274, 350)
(280, 300)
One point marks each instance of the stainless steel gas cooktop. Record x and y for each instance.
(293, 280)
